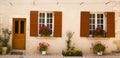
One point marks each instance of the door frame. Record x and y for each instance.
(13, 19)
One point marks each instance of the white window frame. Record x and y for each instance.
(104, 21)
(45, 22)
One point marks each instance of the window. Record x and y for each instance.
(97, 20)
(46, 19)
(51, 19)
(105, 20)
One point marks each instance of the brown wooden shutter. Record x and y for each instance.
(110, 24)
(57, 24)
(33, 23)
(85, 24)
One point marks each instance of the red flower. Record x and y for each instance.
(45, 27)
(99, 32)
(44, 30)
(98, 29)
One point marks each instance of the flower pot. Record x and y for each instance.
(43, 52)
(99, 53)
(4, 50)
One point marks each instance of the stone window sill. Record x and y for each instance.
(97, 38)
(48, 37)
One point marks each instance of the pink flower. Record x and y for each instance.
(97, 42)
(92, 44)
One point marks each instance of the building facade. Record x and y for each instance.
(23, 18)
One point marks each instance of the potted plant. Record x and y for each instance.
(98, 47)
(70, 51)
(45, 31)
(5, 40)
(43, 46)
(99, 32)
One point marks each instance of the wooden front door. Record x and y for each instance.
(19, 33)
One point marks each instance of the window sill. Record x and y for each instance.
(98, 38)
(48, 37)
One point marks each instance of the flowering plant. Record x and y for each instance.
(44, 30)
(99, 32)
(98, 47)
(71, 51)
(43, 46)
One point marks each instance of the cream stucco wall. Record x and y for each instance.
(70, 22)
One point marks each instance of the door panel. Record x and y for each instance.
(19, 33)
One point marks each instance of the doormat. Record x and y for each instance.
(16, 53)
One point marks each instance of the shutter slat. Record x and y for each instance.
(57, 24)
(84, 27)
(33, 23)
(110, 24)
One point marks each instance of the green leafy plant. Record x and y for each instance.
(44, 30)
(98, 47)
(6, 37)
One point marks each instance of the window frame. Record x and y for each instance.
(45, 22)
(96, 23)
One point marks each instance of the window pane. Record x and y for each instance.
(93, 21)
(43, 15)
(51, 26)
(47, 15)
(50, 20)
(93, 15)
(98, 26)
(47, 24)
(98, 16)
(93, 26)
(47, 20)
(101, 21)
(101, 26)
(40, 14)
(22, 27)
(42, 24)
(98, 21)
(50, 15)
(16, 27)
(43, 21)
(40, 21)
(101, 15)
